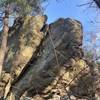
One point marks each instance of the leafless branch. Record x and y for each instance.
(89, 3)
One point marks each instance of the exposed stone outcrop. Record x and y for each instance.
(24, 39)
(23, 43)
(46, 61)
(58, 42)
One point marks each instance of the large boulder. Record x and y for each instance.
(61, 47)
(45, 62)
(24, 38)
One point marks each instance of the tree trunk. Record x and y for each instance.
(4, 39)
(97, 3)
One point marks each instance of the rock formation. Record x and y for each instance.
(45, 62)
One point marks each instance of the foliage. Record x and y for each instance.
(23, 7)
(89, 55)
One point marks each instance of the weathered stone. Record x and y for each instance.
(23, 43)
(3, 81)
(54, 68)
(24, 38)
(64, 35)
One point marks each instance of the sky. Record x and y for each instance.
(70, 8)
(88, 15)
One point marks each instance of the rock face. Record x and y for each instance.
(24, 39)
(44, 62)
(48, 64)
(22, 43)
